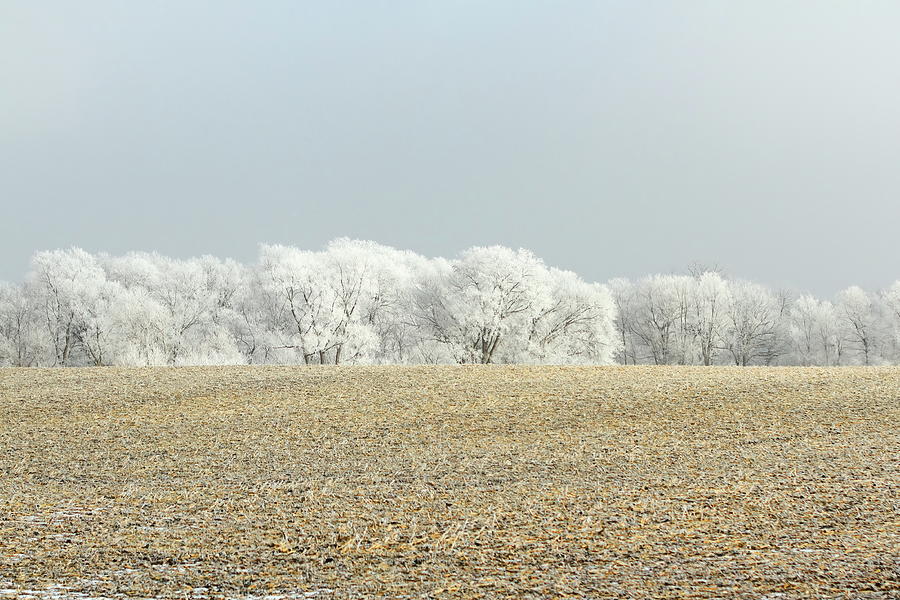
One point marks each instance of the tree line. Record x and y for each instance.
(358, 302)
(704, 318)
(354, 302)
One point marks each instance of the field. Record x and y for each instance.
(468, 482)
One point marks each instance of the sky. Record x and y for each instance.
(611, 138)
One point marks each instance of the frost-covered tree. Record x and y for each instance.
(98, 331)
(389, 278)
(253, 325)
(330, 306)
(673, 319)
(711, 299)
(495, 305)
(890, 301)
(804, 330)
(623, 294)
(178, 310)
(360, 302)
(294, 294)
(813, 332)
(474, 303)
(67, 287)
(571, 321)
(859, 323)
(755, 324)
(138, 324)
(660, 321)
(23, 340)
(828, 334)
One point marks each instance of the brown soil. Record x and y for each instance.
(469, 482)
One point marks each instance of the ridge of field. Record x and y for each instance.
(459, 481)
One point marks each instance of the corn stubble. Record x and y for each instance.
(462, 482)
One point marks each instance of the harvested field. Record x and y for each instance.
(469, 482)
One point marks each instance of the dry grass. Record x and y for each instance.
(488, 482)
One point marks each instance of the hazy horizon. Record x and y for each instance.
(611, 139)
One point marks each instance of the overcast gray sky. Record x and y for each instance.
(611, 138)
